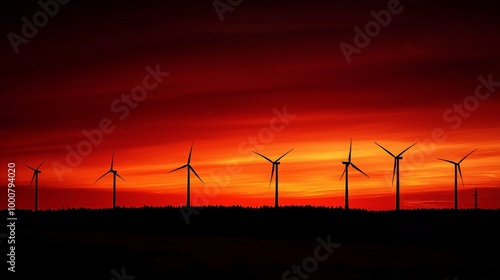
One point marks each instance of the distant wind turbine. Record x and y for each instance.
(396, 169)
(457, 167)
(189, 169)
(346, 172)
(275, 163)
(35, 176)
(115, 173)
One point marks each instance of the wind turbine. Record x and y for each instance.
(457, 167)
(275, 163)
(189, 169)
(396, 169)
(115, 173)
(35, 176)
(346, 172)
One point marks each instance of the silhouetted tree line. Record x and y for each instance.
(425, 227)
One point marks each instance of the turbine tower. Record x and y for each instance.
(346, 172)
(189, 169)
(276, 164)
(396, 169)
(115, 173)
(457, 168)
(35, 176)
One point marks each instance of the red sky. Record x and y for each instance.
(227, 79)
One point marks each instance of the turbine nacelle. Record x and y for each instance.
(397, 158)
(111, 170)
(35, 172)
(457, 164)
(349, 163)
(274, 163)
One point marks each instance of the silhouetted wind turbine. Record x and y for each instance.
(189, 169)
(35, 176)
(275, 163)
(115, 173)
(346, 172)
(396, 169)
(457, 167)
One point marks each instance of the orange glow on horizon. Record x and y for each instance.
(307, 176)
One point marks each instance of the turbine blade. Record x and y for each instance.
(263, 157)
(350, 149)
(460, 171)
(30, 167)
(112, 160)
(32, 178)
(385, 149)
(102, 176)
(394, 171)
(343, 172)
(190, 151)
(41, 164)
(447, 160)
(355, 167)
(185, 165)
(272, 173)
(120, 176)
(189, 166)
(407, 149)
(283, 155)
(466, 156)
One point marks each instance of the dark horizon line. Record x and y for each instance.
(244, 207)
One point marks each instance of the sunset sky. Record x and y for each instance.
(269, 77)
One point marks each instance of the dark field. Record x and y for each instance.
(244, 243)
